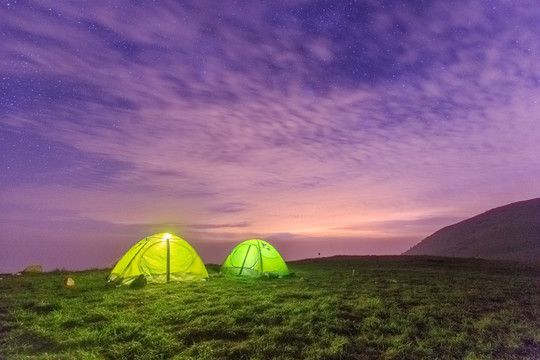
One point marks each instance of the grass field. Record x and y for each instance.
(391, 308)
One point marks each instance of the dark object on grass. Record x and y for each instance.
(139, 282)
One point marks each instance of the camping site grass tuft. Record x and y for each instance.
(387, 308)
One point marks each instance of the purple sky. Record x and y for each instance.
(321, 126)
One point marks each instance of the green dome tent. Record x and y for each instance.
(254, 258)
(160, 258)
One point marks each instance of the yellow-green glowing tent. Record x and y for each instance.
(254, 258)
(160, 258)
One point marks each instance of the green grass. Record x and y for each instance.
(392, 308)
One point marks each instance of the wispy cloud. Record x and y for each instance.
(230, 207)
(218, 226)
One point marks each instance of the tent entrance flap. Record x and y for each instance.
(141, 246)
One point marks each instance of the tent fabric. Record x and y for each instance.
(255, 258)
(160, 258)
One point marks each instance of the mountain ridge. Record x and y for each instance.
(508, 232)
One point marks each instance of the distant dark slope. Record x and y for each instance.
(510, 232)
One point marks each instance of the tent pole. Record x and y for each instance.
(245, 257)
(168, 261)
(260, 255)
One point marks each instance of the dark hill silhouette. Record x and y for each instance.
(510, 232)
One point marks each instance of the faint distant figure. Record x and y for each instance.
(139, 282)
(319, 254)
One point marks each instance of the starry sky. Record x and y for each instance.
(331, 127)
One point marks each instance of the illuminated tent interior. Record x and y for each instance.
(160, 258)
(255, 258)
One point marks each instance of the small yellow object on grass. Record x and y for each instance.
(69, 282)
